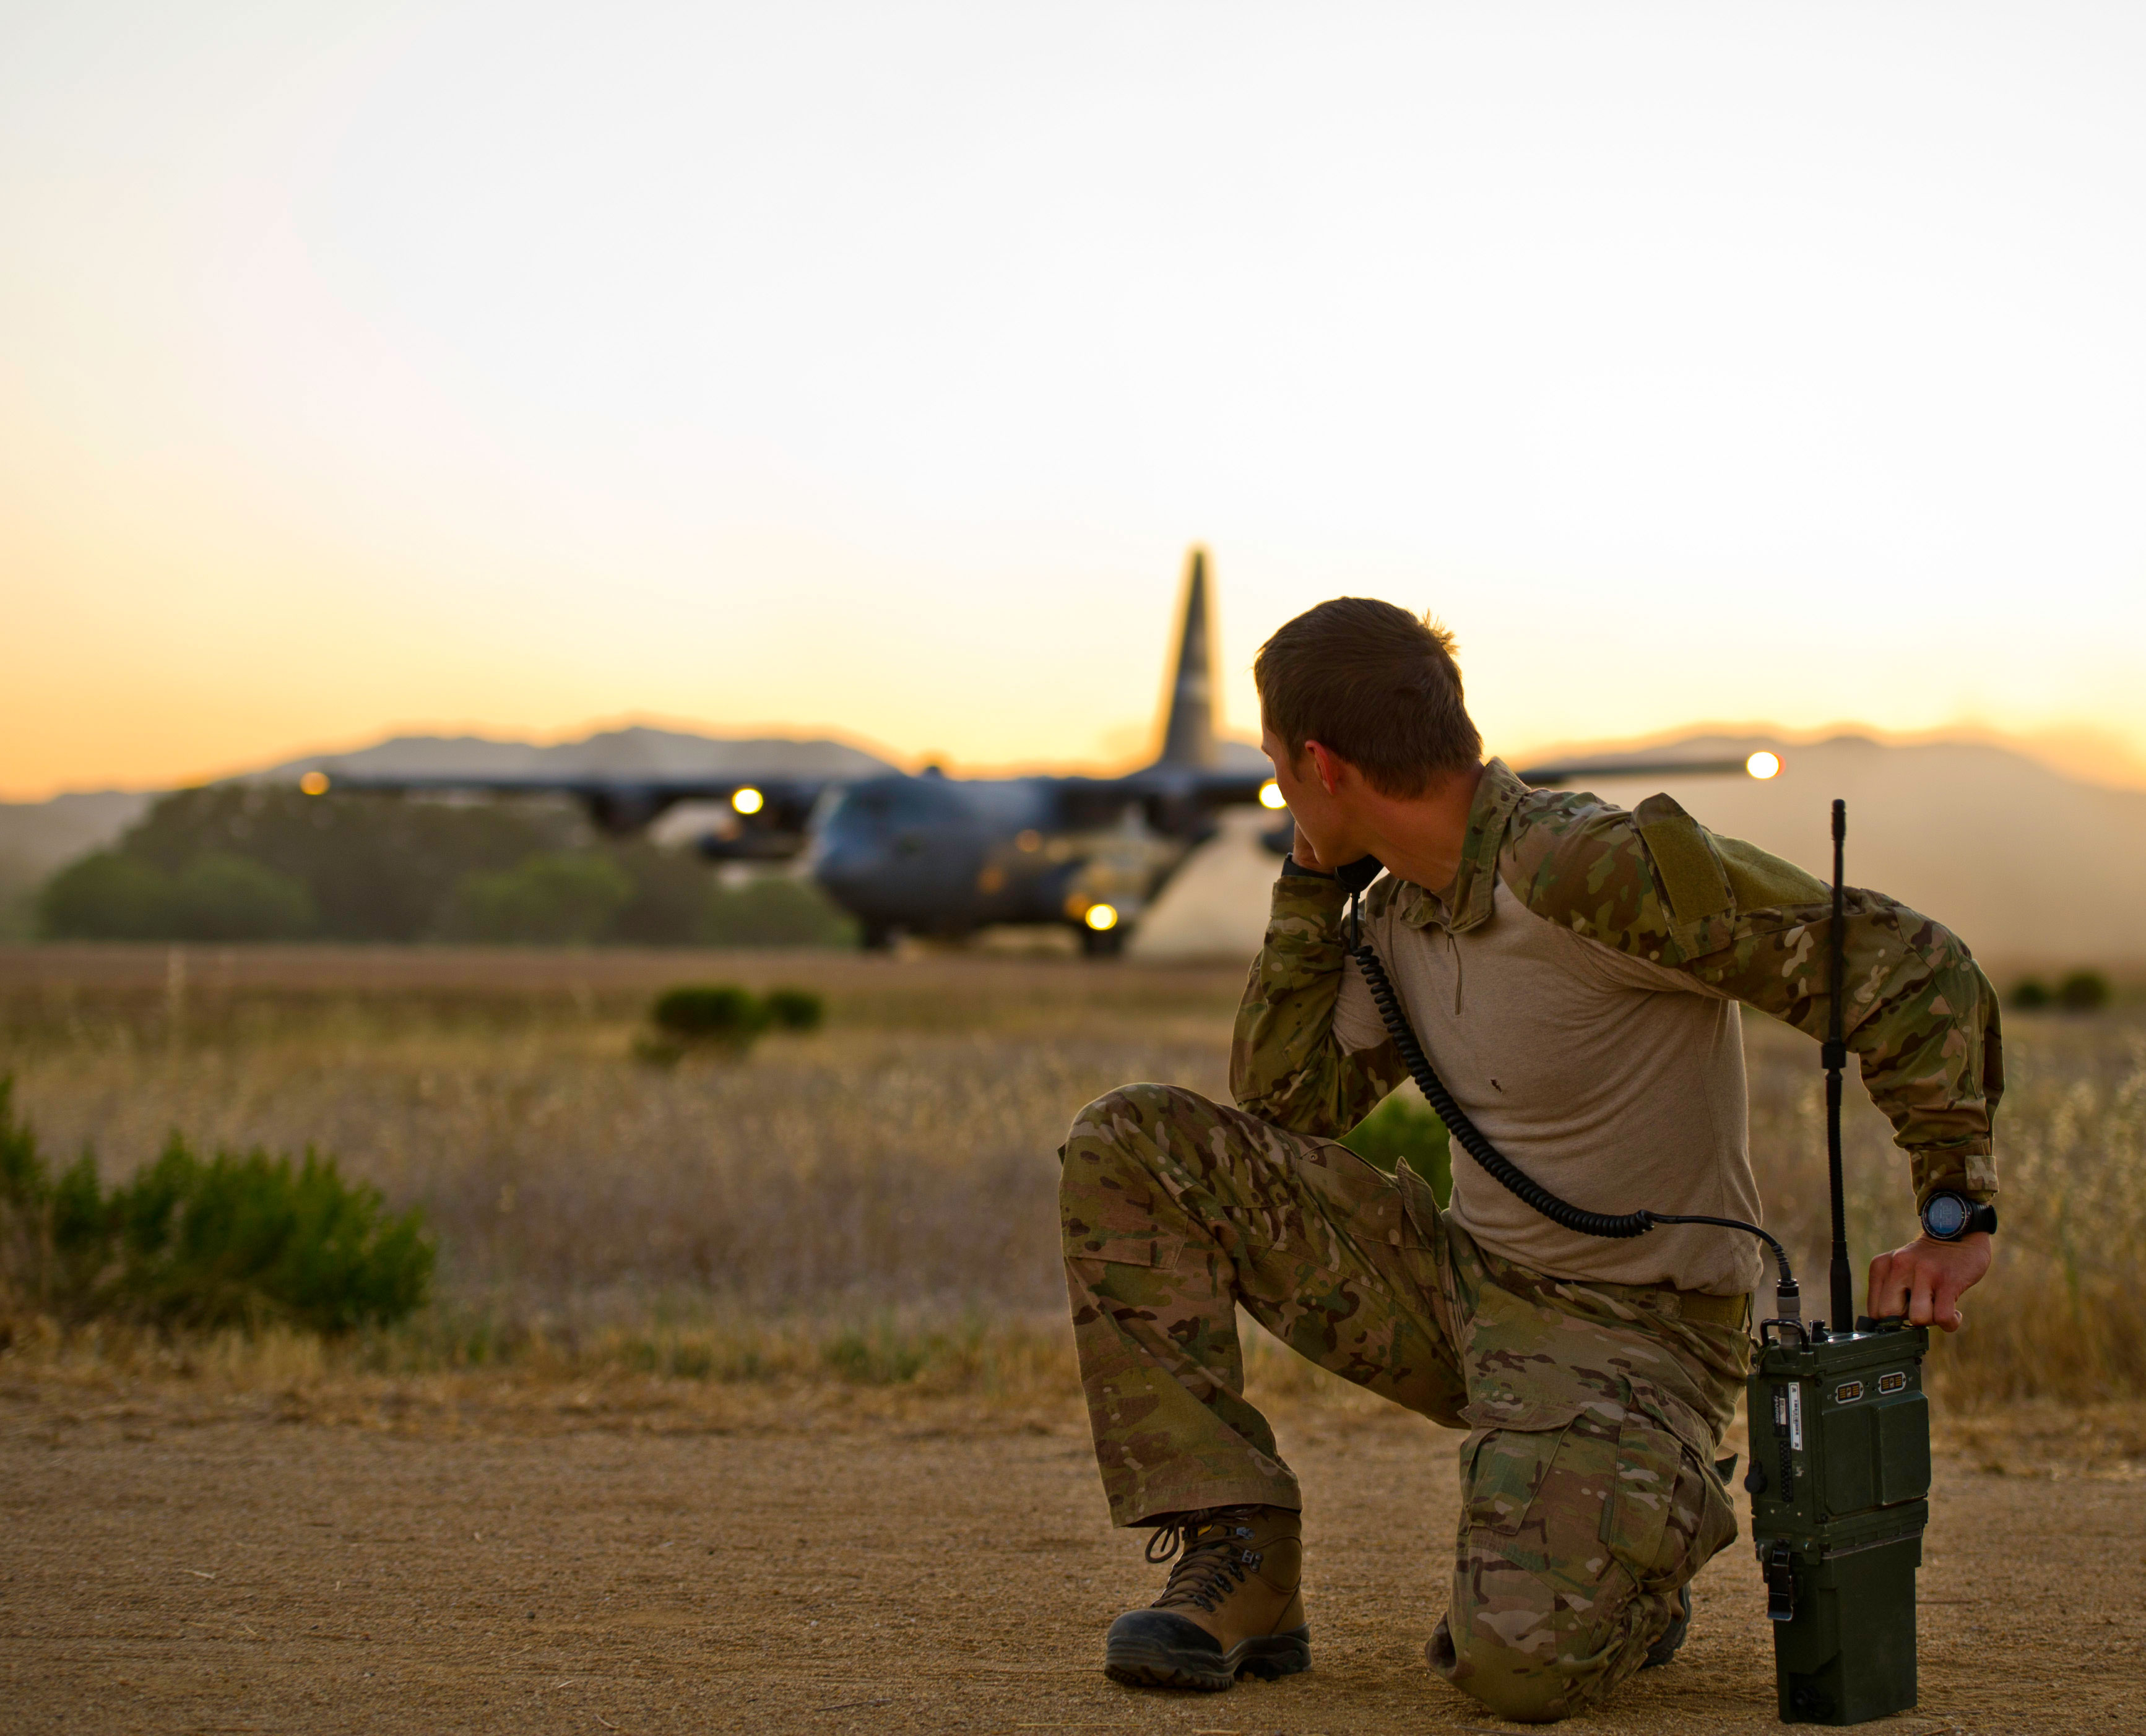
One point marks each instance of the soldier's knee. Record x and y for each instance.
(1518, 1688)
(1522, 1683)
(1127, 1120)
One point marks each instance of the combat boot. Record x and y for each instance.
(1232, 1603)
(1672, 1640)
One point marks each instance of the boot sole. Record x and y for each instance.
(1142, 1663)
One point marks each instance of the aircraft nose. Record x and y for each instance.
(848, 866)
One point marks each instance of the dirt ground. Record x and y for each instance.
(177, 1564)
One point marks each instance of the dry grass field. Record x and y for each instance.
(744, 1401)
(882, 1189)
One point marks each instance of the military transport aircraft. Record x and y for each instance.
(938, 855)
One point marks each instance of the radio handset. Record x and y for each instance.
(1355, 876)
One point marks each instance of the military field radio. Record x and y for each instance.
(1841, 1464)
(1840, 1429)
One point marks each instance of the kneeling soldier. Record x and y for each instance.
(1574, 972)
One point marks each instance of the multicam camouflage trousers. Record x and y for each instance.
(1588, 1491)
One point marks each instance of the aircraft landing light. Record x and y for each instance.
(1271, 795)
(314, 783)
(1101, 917)
(748, 801)
(1763, 764)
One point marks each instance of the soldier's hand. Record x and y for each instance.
(1925, 1279)
(1304, 854)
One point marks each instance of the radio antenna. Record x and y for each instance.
(1835, 1057)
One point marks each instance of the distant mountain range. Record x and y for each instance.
(2025, 863)
(37, 836)
(637, 751)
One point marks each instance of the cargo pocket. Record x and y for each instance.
(1505, 1464)
(1669, 1514)
(1146, 1247)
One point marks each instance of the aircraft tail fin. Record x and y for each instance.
(1188, 727)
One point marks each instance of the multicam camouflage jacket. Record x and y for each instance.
(1921, 1017)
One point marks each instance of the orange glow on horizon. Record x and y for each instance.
(356, 369)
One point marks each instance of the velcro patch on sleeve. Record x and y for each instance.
(1690, 875)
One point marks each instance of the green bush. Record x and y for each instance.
(220, 896)
(106, 896)
(1401, 1128)
(722, 1016)
(556, 896)
(216, 896)
(2083, 991)
(710, 1013)
(798, 1009)
(233, 1240)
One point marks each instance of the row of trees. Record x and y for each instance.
(2081, 991)
(265, 862)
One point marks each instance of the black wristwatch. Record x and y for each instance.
(1291, 868)
(1948, 1216)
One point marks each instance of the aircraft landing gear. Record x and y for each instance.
(1107, 943)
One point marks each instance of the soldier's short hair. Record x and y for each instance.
(1374, 684)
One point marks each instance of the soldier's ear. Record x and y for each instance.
(1331, 770)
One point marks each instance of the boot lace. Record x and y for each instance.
(1212, 1560)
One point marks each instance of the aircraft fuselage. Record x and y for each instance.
(935, 856)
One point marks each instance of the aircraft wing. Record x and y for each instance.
(1556, 777)
(1185, 795)
(770, 813)
(1178, 800)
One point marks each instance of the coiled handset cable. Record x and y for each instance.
(1353, 877)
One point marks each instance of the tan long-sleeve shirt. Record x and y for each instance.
(1577, 991)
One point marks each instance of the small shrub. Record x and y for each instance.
(1401, 1127)
(798, 1009)
(2083, 991)
(233, 1240)
(2030, 995)
(242, 1240)
(710, 1013)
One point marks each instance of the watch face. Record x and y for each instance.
(1945, 1216)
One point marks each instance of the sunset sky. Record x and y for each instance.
(866, 369)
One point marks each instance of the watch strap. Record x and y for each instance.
(1979, 1216)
